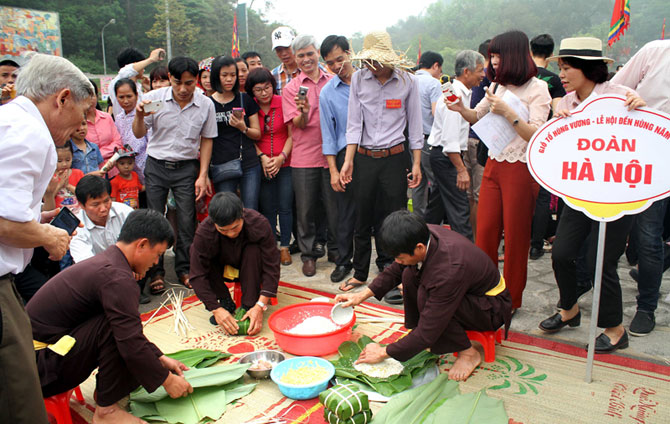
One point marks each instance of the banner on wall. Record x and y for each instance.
(604, 160)
(23, 30)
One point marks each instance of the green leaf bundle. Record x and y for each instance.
(349, 353)
(198, 358)
(243, 326)
(344, 400)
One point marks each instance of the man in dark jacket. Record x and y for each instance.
(231, 240)
(95, 302)
(449, 286)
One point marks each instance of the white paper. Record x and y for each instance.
(495, 131)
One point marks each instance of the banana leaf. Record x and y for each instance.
(207, 403)
(469, 408)
(204, 377)
(198, 358)
(414, 405)
(349, 353)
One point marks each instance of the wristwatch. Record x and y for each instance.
(263, 306)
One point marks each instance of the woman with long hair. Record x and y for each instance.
(274, 149)
(205, 76)
(237, 120)
(508, 192)
(159, 78)
(583, 74)
(242, 73)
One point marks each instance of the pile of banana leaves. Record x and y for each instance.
(349, 353)
(213, 389)
(440, 402)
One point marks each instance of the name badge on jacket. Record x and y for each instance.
(393, 104)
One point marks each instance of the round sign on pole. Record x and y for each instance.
(604, 160)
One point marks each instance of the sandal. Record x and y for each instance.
(157, 285)
(185, 281)
(350, 284)
(394, 297)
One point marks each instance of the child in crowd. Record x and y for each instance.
(126, 186)
(68, 178)
(86, 156)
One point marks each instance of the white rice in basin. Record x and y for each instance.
(314, 325)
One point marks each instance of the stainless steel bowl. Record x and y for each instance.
(272, 356)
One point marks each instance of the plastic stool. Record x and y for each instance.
(237, 295)
(488, 341)
(59, 405)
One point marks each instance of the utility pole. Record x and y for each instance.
(167, 30)
(102, 35)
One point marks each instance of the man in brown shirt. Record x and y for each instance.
(242, 239)
(449, 286)
(96, 302)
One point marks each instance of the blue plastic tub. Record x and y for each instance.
(301, 392)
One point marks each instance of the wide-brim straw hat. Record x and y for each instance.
(377, 47)
(587, 48)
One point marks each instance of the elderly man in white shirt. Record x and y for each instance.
(53, 96)
(449, 139)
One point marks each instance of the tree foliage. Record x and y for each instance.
(183, 33)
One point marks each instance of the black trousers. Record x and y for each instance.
(574, 229)
(95, 348)
(372, 178)
(541, 218)
(346, 219)
(455, 201)
(159, 180)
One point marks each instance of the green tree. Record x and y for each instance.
(183, 32)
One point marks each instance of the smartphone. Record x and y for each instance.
(161, 55)
(66, 220)
(302, 92)
(154, 106)
(238, 111)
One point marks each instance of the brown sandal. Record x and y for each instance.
(185, 281)
(157, 285)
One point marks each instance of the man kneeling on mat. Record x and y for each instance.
(449, 286)
(96, 303)
(234, 242)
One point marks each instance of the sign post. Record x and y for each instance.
(606, 162)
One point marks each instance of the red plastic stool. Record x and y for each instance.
(237, 294)
(488, 341)
(59, 405)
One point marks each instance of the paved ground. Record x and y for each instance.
(539, 302)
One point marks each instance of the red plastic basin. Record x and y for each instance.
(302, 345)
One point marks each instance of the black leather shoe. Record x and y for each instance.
(604, 344)
(554, 322)
(319, 250)
(393, 297)
(536, 253)
(339, 273)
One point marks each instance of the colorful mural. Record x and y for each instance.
(29, 30)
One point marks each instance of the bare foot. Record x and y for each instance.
(114, 415)
(466, 362)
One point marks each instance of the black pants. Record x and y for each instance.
(573, 229)
(346, 219)
(374, 177)
(455, 201)
(159, 180)
(541, 218)
(95, 348)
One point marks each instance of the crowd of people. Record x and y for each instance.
(314, 157)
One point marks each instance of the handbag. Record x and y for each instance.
(228, 170)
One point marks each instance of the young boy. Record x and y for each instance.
(86, 155)
(68, 178)
(126, 186)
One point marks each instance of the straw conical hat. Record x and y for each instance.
(377, 47)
